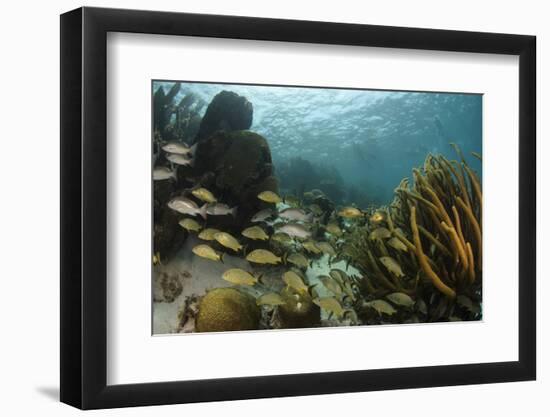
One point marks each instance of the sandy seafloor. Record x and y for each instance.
(197, 275)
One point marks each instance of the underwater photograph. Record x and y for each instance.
(286, 207)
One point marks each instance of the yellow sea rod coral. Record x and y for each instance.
(432, 232)
(423, 261)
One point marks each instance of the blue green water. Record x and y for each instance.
(357, 143)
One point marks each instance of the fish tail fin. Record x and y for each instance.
(175, 173)
(193, 148)
(310, 289)
(192, 162)
(202, 211)
(234, 211)
(260, 279)
(222, 255)
(285, 254)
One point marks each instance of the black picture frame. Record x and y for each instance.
(84, 207)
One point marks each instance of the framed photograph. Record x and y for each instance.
(259, 208)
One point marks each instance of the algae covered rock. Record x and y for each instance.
(240, 167)
(299, 311)
(167, 234)
(227, 309)
(167, 287)
(227, 111)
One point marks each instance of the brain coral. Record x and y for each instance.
(227, 309)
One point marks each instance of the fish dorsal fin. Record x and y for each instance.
(310, 289)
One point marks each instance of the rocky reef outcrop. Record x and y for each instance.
(227, 111)
(168, 236)
(173, 121)
(236, 166)
(231, 162)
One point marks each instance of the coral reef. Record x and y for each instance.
(186, 119)
(176, 122)
(236, 166)
(168, 236)
(227, 309)
(323, 252)
(227, 111)
(163, 109)
(299, 311)
(432, 251)
(172, 123)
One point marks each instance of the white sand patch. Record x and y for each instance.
(165, 316)
(204, 275)
(199, 275)
(322, 267)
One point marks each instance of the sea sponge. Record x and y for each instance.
(236, 165)
(227, 111)
(299, 311)
(227, 309)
